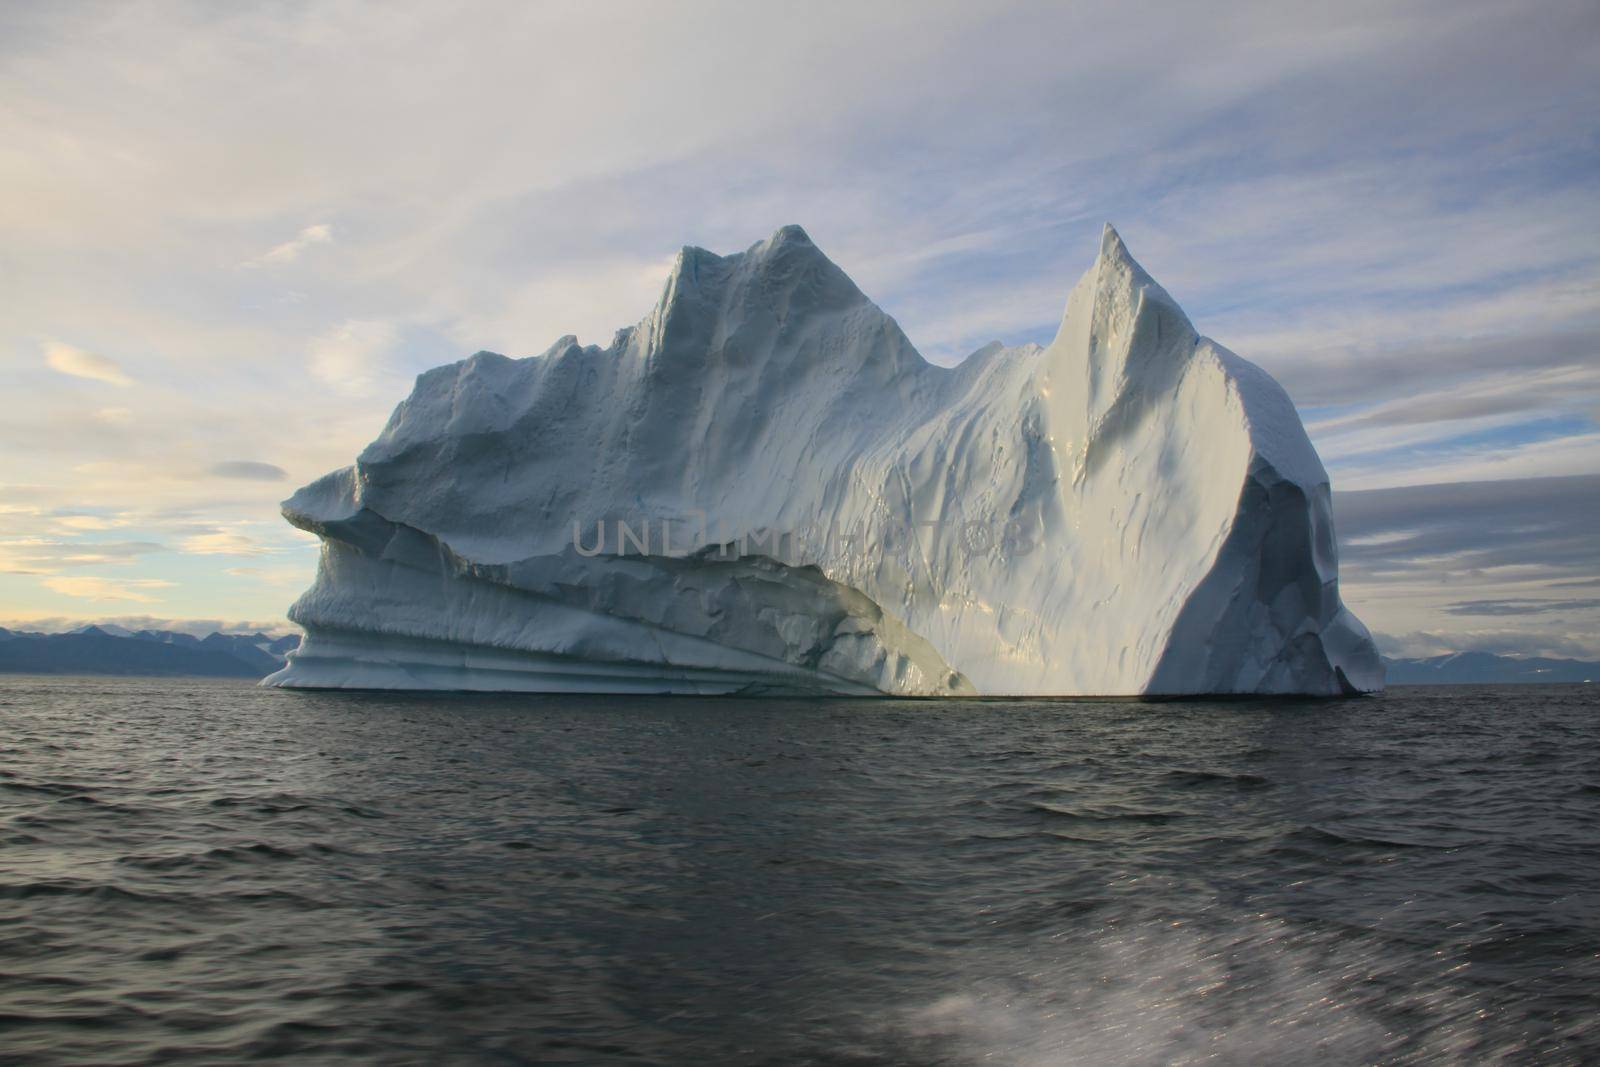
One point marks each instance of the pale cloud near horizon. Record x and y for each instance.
(1391, 207)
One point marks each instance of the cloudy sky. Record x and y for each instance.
(229, 239)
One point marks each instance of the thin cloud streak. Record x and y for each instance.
(89, 587)
(248, 470)
(290, 250)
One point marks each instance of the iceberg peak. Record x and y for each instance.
(775, 307)
(790, 235)
(1118, 276)
(1111, 244)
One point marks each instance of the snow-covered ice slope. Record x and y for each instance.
(763, 487)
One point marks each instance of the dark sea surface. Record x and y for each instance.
(203, 871)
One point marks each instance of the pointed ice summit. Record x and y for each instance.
(763, 488)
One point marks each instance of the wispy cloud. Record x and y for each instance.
(222, 543)
(248, 470)
(73, 521)
(97, 588)
(38, 555)
(290, 250)
(1520, 607)
(74, 361)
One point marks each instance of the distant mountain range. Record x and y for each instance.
(114, 650)
(1468, 668)
(108, 649)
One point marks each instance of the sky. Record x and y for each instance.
(231, 236)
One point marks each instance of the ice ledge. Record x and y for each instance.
(394, 607)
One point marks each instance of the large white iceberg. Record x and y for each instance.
(763, 488)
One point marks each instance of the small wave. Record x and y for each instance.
(257, 852)
(1108, 814)
(264, 805)
(1317, 835)
(86, 890)
(289, 803)
(115, 1017)
(55, 789)
(1217, 778)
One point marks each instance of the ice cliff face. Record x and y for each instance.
(762, 487)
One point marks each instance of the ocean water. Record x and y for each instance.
(203, 871)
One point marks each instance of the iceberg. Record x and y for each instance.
(763, 488)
